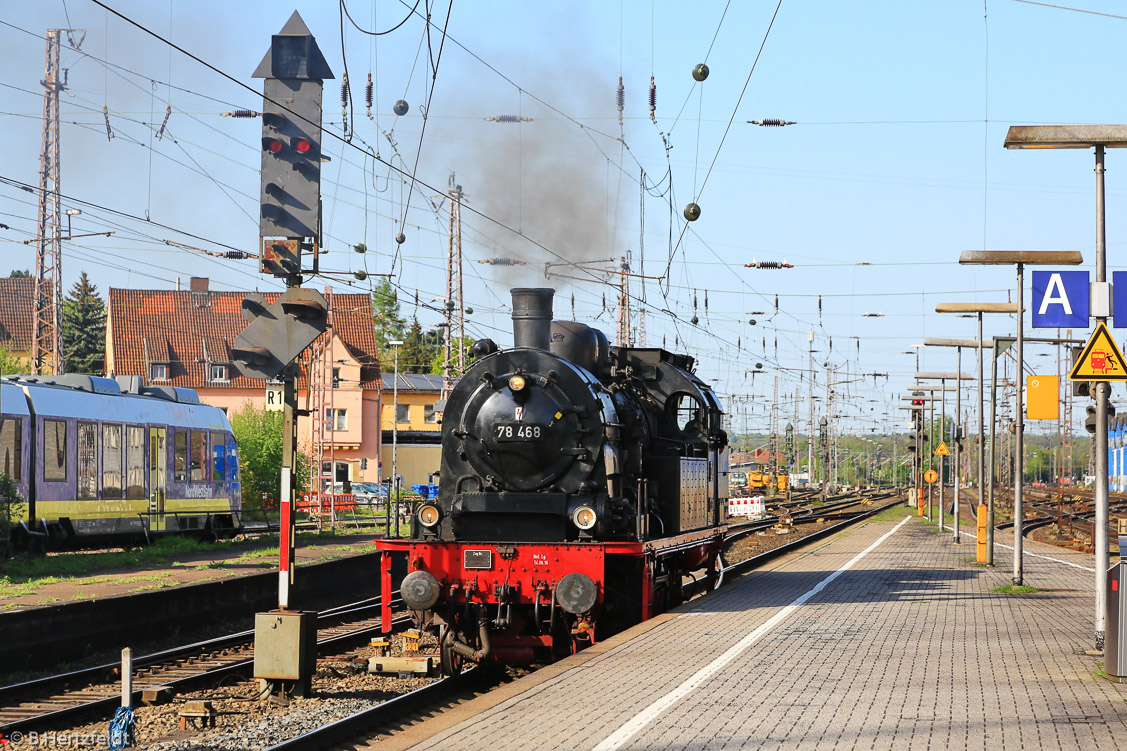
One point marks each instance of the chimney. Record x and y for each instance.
(532, 317)
(198, 284)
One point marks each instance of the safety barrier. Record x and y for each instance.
(317, 504)
(747, 506)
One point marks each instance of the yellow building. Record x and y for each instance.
(417, 427)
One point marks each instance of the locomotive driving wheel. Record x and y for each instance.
(452, 662)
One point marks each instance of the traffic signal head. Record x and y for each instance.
(294, 69)
(1090, 420)
(291, 159)
(1080, 388)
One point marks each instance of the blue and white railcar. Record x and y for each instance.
(99, 458)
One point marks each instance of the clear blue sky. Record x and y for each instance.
(896, 163)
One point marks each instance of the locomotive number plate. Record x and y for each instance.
(478, 559)
(519, 431)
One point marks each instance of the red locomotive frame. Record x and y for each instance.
(531, 571)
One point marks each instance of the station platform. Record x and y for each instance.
(884, 636)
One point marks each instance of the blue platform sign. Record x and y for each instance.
(1119, 299)
(1060, 299)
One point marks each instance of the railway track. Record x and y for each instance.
(401, 712)
(410, 708)
(49, 701)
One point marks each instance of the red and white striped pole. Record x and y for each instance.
(286, 498)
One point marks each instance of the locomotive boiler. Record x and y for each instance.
(579, 484)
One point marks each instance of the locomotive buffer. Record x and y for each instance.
(285, 640)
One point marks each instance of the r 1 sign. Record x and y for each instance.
(273, 397)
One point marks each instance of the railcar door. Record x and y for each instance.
(158, 466)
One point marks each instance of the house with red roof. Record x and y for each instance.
(17, 316)
(184, 338)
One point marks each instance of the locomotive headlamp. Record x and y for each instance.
(584, 517)
(517, 383)
(429, 515)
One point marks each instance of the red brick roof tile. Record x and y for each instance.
(17, 313)
(183, 328)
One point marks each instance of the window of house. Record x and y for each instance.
(87, 460)
(403, 413)
(54, 450)
(158, 371)
(180, 457)
(135, 462)
(111, 461)
(11, 448)
(429, 415)
(200, 464)
(336, 419)
(217, 372)
(336, 378)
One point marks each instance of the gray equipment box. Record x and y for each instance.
(285, 645)
(1115, 643)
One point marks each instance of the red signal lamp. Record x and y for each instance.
(273, 145)
(302, 146)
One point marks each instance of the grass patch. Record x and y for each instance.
(1016, 589)
(22, 577)
(893, 514)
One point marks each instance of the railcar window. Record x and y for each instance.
(111, 461)
(180, 460)
(54, 450)
(135, 463)
(11, 449)
(87, 461)
(219, 454)
(686, 410)
(200, 464)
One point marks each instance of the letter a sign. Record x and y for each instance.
(1060, 298)
(1100, 360)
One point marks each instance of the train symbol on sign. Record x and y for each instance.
(1104, 362)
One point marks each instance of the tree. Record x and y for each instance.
(17, 274)
(390, 325)
(9, 363)
(421, 349)
(84, 329)
(259, 435)
(439, 353)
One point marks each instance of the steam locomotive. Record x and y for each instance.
(579, 484)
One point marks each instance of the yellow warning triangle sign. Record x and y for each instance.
(942, 450)
(1100, 360)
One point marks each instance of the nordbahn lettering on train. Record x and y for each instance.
(98, 459)
(579, 483)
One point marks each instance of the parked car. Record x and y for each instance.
(367, 494)
(375, 489)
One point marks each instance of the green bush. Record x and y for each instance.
(259, 435)
(11, 508)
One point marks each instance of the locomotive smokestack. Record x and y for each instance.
(532, 317)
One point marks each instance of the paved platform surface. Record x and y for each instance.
(886, 636)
